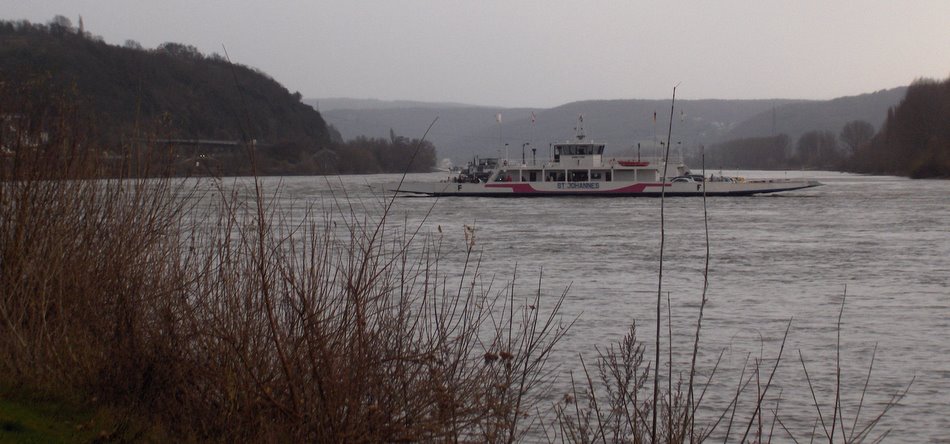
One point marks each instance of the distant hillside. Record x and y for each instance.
(795, 119)
(464, 131)
(448, 133)
(191, 96)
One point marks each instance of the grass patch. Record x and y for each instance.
(36, 420)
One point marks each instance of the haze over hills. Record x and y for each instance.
(463, 131)
(795, 119)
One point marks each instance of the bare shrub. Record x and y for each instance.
(222, 316)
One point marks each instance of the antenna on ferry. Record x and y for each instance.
(654, 133)
(498, 119)
(579, 130)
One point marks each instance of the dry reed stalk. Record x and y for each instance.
(623, 418)
(221, 315)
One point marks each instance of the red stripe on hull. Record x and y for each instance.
(526, 188)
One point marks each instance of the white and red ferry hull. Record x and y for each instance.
(601, 189)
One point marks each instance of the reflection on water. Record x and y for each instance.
(882, 240)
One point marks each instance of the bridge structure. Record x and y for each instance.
(207, 143)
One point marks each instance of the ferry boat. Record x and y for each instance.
(580, 168)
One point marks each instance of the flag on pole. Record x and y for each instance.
(498, 117)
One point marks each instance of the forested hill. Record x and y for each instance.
(915, 138)
(189, 95)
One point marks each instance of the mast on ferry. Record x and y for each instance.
(579, 129)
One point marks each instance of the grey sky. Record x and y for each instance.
(543, 53)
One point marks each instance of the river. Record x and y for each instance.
(881, 244)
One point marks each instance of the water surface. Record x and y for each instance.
(883, 242)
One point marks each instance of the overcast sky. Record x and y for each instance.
(543, 53)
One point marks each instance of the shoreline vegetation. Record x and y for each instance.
(204, 313)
